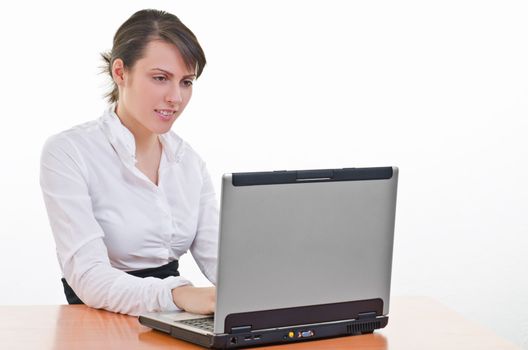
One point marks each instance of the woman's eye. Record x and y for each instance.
(160, 78)
(187, 82)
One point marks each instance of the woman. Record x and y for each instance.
(126, 197)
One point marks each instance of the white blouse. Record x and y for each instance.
(108, 217)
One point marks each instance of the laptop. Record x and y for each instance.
(303, 255)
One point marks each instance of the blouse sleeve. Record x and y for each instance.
(81, 250)
(204, 248)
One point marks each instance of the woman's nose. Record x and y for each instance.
(174, 95)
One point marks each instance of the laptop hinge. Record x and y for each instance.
(370, 309)
(366, 315)
(241, 329)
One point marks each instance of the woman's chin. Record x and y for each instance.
(161, 127)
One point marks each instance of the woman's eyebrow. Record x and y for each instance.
(163, 70)
(171, 74)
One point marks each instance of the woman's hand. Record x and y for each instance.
(196, 300)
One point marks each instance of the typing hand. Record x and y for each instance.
(198, 300)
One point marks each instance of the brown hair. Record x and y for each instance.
(144, 26)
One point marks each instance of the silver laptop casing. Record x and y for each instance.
(304, 243)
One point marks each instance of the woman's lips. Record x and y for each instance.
(165, 114)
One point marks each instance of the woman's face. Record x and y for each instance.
(155, 91)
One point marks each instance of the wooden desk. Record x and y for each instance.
(414, 323)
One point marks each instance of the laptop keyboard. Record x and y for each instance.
(206, 324)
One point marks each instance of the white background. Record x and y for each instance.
(438, 88)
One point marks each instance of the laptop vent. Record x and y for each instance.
(363, 327)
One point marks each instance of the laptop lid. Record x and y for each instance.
(296, 239)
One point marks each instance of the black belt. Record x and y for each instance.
(171, 269)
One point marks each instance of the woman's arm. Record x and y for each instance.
(205, 245)
(81, 250)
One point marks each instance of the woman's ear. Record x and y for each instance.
(118, 71)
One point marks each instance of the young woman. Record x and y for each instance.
(126, 196)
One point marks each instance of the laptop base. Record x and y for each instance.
(282, 335)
